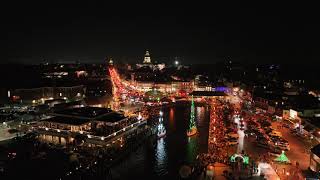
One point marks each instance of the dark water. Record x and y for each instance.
(164, 160)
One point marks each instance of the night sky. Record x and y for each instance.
(202, 34)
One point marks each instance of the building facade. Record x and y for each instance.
(39, 95)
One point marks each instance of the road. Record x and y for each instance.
(297, 151)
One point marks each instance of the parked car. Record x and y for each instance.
(286, 125)
(263, 145)
(284, 147)
(232, 143)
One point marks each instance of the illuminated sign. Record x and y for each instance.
(293, 114)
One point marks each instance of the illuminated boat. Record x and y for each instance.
(192, 132)
(161, 130)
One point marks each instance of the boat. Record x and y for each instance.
(161, 129)
(192, 126)
(192, 132)
(161, 134)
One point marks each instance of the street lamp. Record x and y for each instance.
(176, 63)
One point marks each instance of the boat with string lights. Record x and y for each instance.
(192, 125)
(161, 129)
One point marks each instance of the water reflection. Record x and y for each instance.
(200, 115)
(164, 159)
(171, 117)
(161, 156)
(192, 149)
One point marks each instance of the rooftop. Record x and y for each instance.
(207, 93)
(68, 120)
(111, 117)
(316, 150)
(268, 96)
(84, 112)
(304, 102)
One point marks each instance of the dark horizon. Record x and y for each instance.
(91, 33)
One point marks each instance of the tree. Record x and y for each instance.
(192, 116)
(282, 158)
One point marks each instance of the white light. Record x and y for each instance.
(9, 94)
(60, 94)
(89, 136)
(114, 134)
(139, 116)
(161, 113)
(81, 132)
(176, 62)
(58, 130)
(64, 98)
(124, 129)
(47, 129)
(102, 138)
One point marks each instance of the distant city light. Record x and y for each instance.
(176, 62)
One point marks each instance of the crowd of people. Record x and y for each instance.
(217, 145)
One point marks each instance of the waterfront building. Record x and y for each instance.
(41, 94)
(85, 120)
(171, 87)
